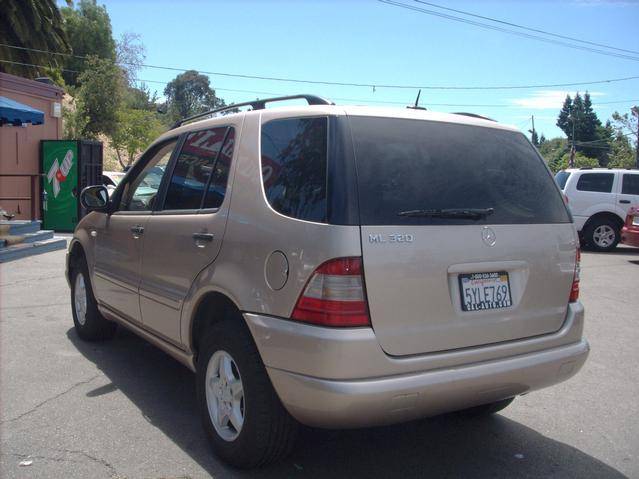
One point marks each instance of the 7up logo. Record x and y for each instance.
(58, 172)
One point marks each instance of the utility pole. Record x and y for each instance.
(571, 161)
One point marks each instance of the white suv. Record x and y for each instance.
(599, 200)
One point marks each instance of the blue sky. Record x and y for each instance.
(369, 42)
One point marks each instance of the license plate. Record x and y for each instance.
(482, 291)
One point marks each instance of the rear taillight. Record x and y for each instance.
(334, 296)
(574, 291)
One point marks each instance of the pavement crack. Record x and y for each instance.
(102, 462)
(53, 398)
(96, 460)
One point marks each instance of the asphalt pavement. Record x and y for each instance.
(123, 409)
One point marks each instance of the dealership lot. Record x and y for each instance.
(124, 409)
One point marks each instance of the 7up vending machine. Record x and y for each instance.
(66, 168)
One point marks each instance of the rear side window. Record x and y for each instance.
(406, 165)
(199, 169)
(630, 184)
(599, 182)
(561, 178)
(294, 155)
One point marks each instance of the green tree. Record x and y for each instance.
(534, 138)
(35, 24)
(591, 138)
(88, 28)
(627, 123)
(623, 154)
(136, 129)
(140, 98)
(100, 96)
(553, 150)
(581, 161)
(190, 93)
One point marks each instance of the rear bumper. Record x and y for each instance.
(630, 236)
(339, 404)
(341, 378)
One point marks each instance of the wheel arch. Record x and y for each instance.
(212, 308)
(605, 215)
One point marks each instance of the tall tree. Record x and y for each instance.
(564, 119)
(35, 24)
(190, 93)
(88, 28)
(578, 117)
(100, 96)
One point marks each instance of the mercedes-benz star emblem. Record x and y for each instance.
(489, 236)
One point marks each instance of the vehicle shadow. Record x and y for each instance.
(445, 446)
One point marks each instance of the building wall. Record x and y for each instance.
(20, 146)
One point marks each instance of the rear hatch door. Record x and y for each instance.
(466, 240)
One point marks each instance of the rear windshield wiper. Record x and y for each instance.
(470, 213)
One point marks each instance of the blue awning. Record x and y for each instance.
(16, 113)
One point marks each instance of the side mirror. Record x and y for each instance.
(95, 198)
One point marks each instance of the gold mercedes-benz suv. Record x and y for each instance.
(335, 266)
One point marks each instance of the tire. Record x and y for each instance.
(487, 409)
(244, 420)
(602, 234)
(89, 323)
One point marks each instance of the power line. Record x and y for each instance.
(373, 101)
(332, 83)
(505, 30)
(527, 28)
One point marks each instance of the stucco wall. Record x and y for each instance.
(20, 146)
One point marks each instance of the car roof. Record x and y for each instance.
(340, 110)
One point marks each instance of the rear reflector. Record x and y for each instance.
(334, 296)
(574, 291)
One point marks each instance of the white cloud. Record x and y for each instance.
(547, 99)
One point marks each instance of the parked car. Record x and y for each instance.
(630, 230)
(337, 267)
(110, 179)
(599, 199)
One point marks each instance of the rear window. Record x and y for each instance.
(405, 165)
(294, 156)
(599, 182)
(561, 178)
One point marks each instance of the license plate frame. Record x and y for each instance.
(484, 291)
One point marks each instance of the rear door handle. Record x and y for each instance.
(137, 230)
(200, 237)
(625, 202)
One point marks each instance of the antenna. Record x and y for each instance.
(416, 106)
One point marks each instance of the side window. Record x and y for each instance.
(201, 168)
(294, 156)
(630, 184)
(140, 194)
(600, 182)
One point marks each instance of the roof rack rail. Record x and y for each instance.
(256, 105)
(474, 115)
